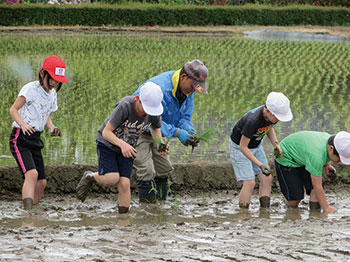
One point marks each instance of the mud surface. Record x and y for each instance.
(201, 227)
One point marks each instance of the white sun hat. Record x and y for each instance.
(151, 97)
(342, 145)
(278, 104)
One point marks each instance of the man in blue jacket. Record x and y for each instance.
(152, 168)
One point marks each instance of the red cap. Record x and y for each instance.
(56, 68)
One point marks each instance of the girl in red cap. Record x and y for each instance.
(31, 113)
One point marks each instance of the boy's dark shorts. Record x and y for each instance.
(27, 152)
(293, 181)
(110, 161)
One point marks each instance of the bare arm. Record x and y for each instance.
(157, 135)
(20, 101)
(243, 146)
(127, 150)
(50, 125)
(273, 139)
(321, 196)
(53, 130)
(329, 168)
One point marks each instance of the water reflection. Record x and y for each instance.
(189, 210)
(273, 35)
(30, 220)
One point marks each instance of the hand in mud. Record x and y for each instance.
(265, 170)
(277, 153)
(56, 132)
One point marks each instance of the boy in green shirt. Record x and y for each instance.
(305, 154)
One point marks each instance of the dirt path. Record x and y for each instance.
(208, 30)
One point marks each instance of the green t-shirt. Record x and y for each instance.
(307, 149)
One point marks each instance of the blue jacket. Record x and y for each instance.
(173, 116)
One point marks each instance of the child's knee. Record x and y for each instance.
(249, 184)
(266, 180)
(124, 185)
(31, 175)
(41, 183)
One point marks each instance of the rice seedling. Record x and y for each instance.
(195, 139)
(162, 146)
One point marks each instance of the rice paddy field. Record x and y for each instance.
(103, 68)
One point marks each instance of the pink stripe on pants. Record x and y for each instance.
(18, 154)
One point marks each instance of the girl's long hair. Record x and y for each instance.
(41, 80)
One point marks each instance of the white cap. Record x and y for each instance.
(151, 97)
(278, 104)
(342, 145)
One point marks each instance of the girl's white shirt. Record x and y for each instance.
(38, 106)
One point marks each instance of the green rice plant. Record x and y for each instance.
(176, 203)
(162, 146)
(104, 68)
(203, 137)
(153, 188)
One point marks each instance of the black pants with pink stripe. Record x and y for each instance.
(27, 152)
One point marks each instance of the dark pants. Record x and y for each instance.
(293, 181)
(27, 152)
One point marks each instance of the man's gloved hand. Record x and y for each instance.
(183, 135)
(265, 170)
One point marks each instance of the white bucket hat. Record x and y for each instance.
(342, 145)
(151, 97)
(278, 104)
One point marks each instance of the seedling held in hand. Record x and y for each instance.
(162, 147)
(194, 140)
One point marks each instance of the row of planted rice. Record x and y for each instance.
(103, 68)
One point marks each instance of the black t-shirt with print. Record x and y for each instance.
(252, 125)
(129, 125)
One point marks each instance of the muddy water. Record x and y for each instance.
(202, 227)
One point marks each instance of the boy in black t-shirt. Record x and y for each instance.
(246, 151)
(117, 138)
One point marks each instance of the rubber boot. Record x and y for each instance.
(27, 203)
(264, 202)
(146, 190)
(162, 187)
(314, 205)
(123, 210)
